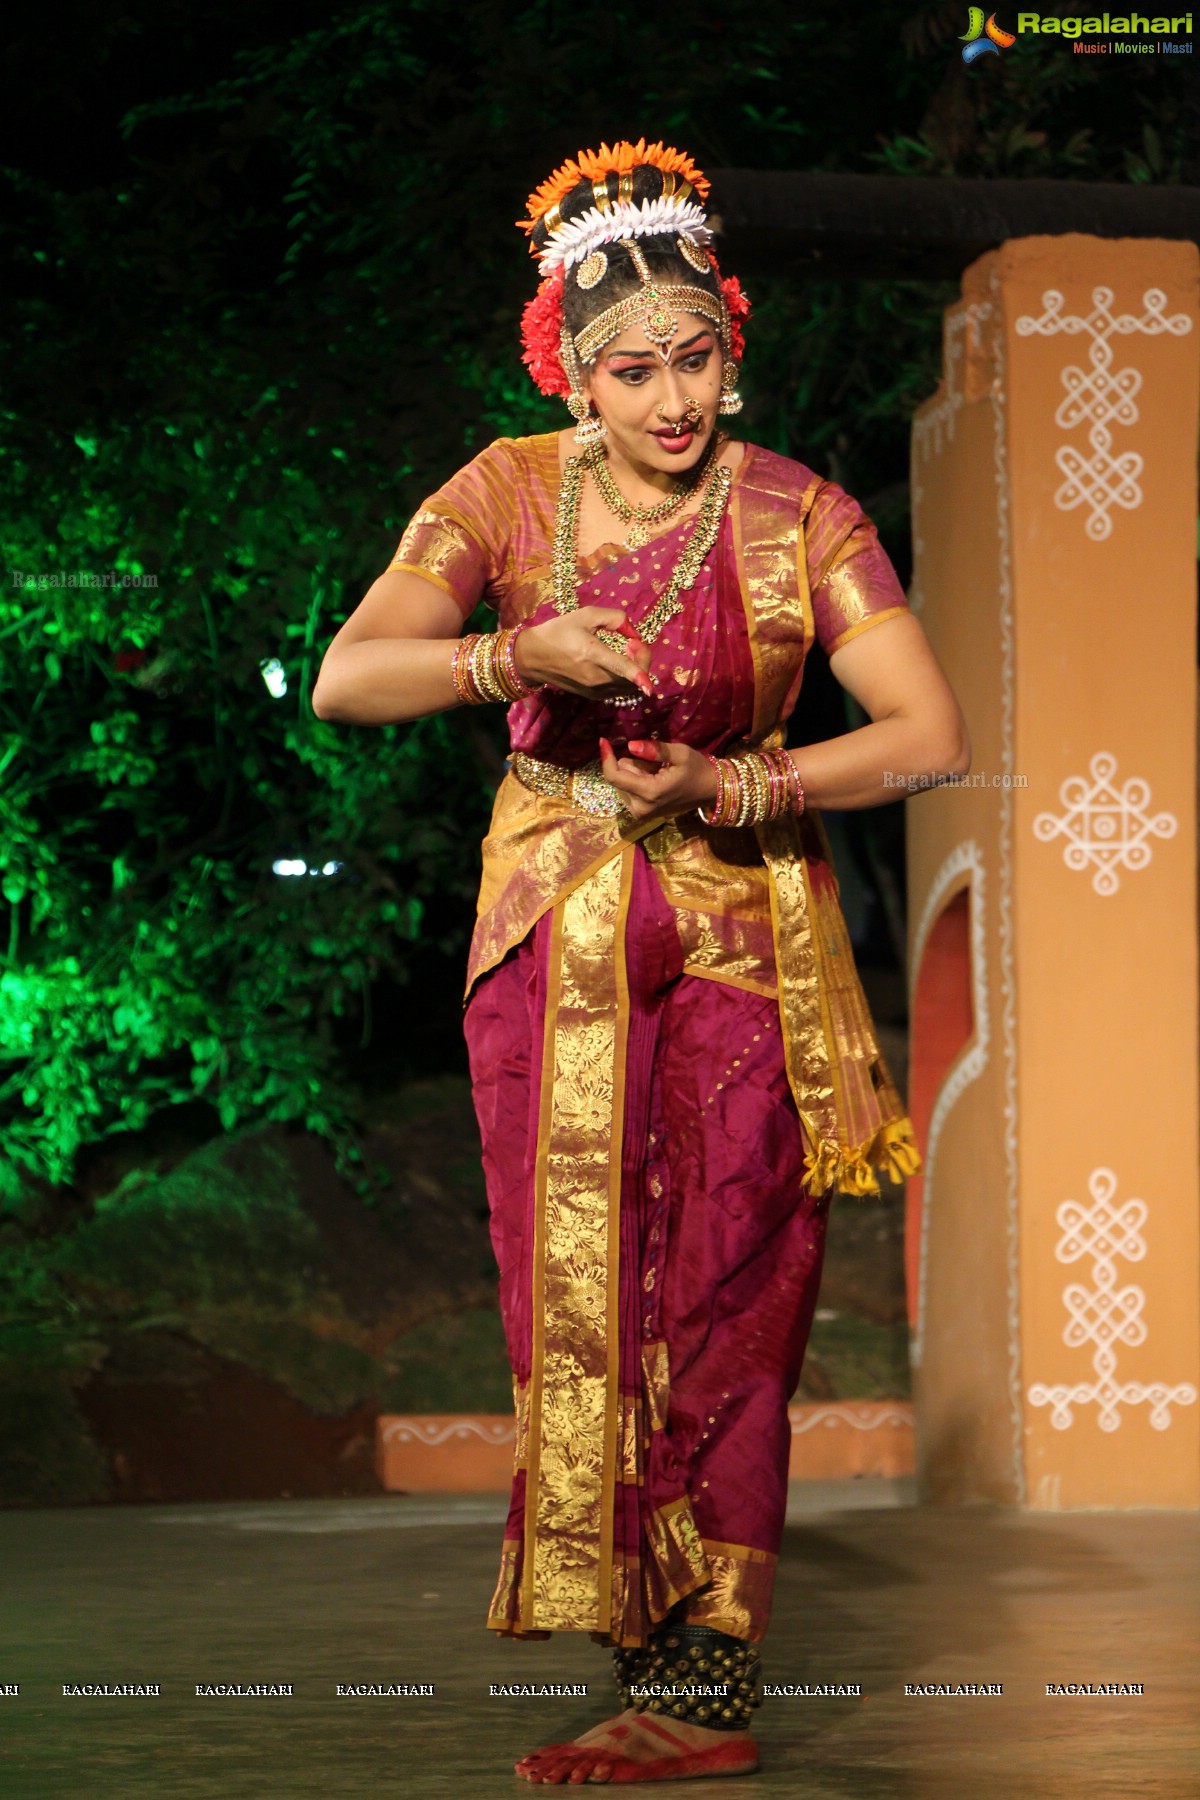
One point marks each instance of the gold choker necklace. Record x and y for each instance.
(641, 518)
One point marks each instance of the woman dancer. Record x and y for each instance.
(673, 1064)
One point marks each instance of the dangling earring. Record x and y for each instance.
(731, 400)
(589, 426)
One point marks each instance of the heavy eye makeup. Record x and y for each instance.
(636, 374)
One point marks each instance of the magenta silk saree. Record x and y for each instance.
(672, 1062)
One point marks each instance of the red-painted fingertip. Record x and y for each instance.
(606, 748)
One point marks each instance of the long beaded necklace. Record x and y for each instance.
(700, 542)
(641, 518)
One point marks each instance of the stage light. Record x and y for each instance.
(294, 865)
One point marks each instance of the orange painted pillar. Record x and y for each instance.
(1055, 1233)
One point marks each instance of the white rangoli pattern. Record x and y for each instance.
(1104, 1315)
(1100, 397)
(1104, 825)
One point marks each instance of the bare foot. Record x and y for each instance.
(632, 1737)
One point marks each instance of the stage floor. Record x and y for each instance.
(872, 1590)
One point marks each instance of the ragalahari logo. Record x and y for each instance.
(983, 37)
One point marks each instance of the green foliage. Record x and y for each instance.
(239, 353)
(221, 1231)
(152, 955)
(1040, 110)
(858, 1358)
(222, 1228)
(457, 1362)
(47, 1457)
(222, 1254)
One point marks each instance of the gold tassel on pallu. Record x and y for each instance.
(851, 1110)
(852, 1171)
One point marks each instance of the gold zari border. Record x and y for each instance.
(738, 1598)
(573, 1411)
(732, 1591)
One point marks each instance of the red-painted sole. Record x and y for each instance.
(722, 1759)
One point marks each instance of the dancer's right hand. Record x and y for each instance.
(565, 653)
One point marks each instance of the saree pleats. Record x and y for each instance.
(656, 1303)
(574, 1415)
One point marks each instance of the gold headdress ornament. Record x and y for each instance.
(580, 248)
(655, 307)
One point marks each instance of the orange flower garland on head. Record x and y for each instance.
(614, 159)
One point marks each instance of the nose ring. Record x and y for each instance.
(693, 414)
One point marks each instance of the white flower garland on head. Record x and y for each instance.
(574, 242)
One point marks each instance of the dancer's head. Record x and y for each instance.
(632, 323)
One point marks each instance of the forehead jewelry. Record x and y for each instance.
(656, 307)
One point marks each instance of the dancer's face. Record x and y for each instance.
(642, 399)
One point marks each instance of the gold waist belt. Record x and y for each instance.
(585, 787)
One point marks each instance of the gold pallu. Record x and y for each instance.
(853, 1115)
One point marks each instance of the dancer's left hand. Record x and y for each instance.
(659, 779)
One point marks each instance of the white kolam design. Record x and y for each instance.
(857, 1415)
(934, 425)
(1100, 397)
(965, 860)
(418, 1430)
(1004, 898)
(1105, 1315)
(1106, 827)
(575, 240)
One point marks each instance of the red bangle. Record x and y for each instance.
(517, 681)
(717, 807)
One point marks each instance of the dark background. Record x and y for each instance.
(261, 290)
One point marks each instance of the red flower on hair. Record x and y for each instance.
(739, 309)
(541, 333)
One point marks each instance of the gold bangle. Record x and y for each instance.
(484, 668)
(460, 670)
(755, 807)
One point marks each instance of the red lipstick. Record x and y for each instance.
(673, 441)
